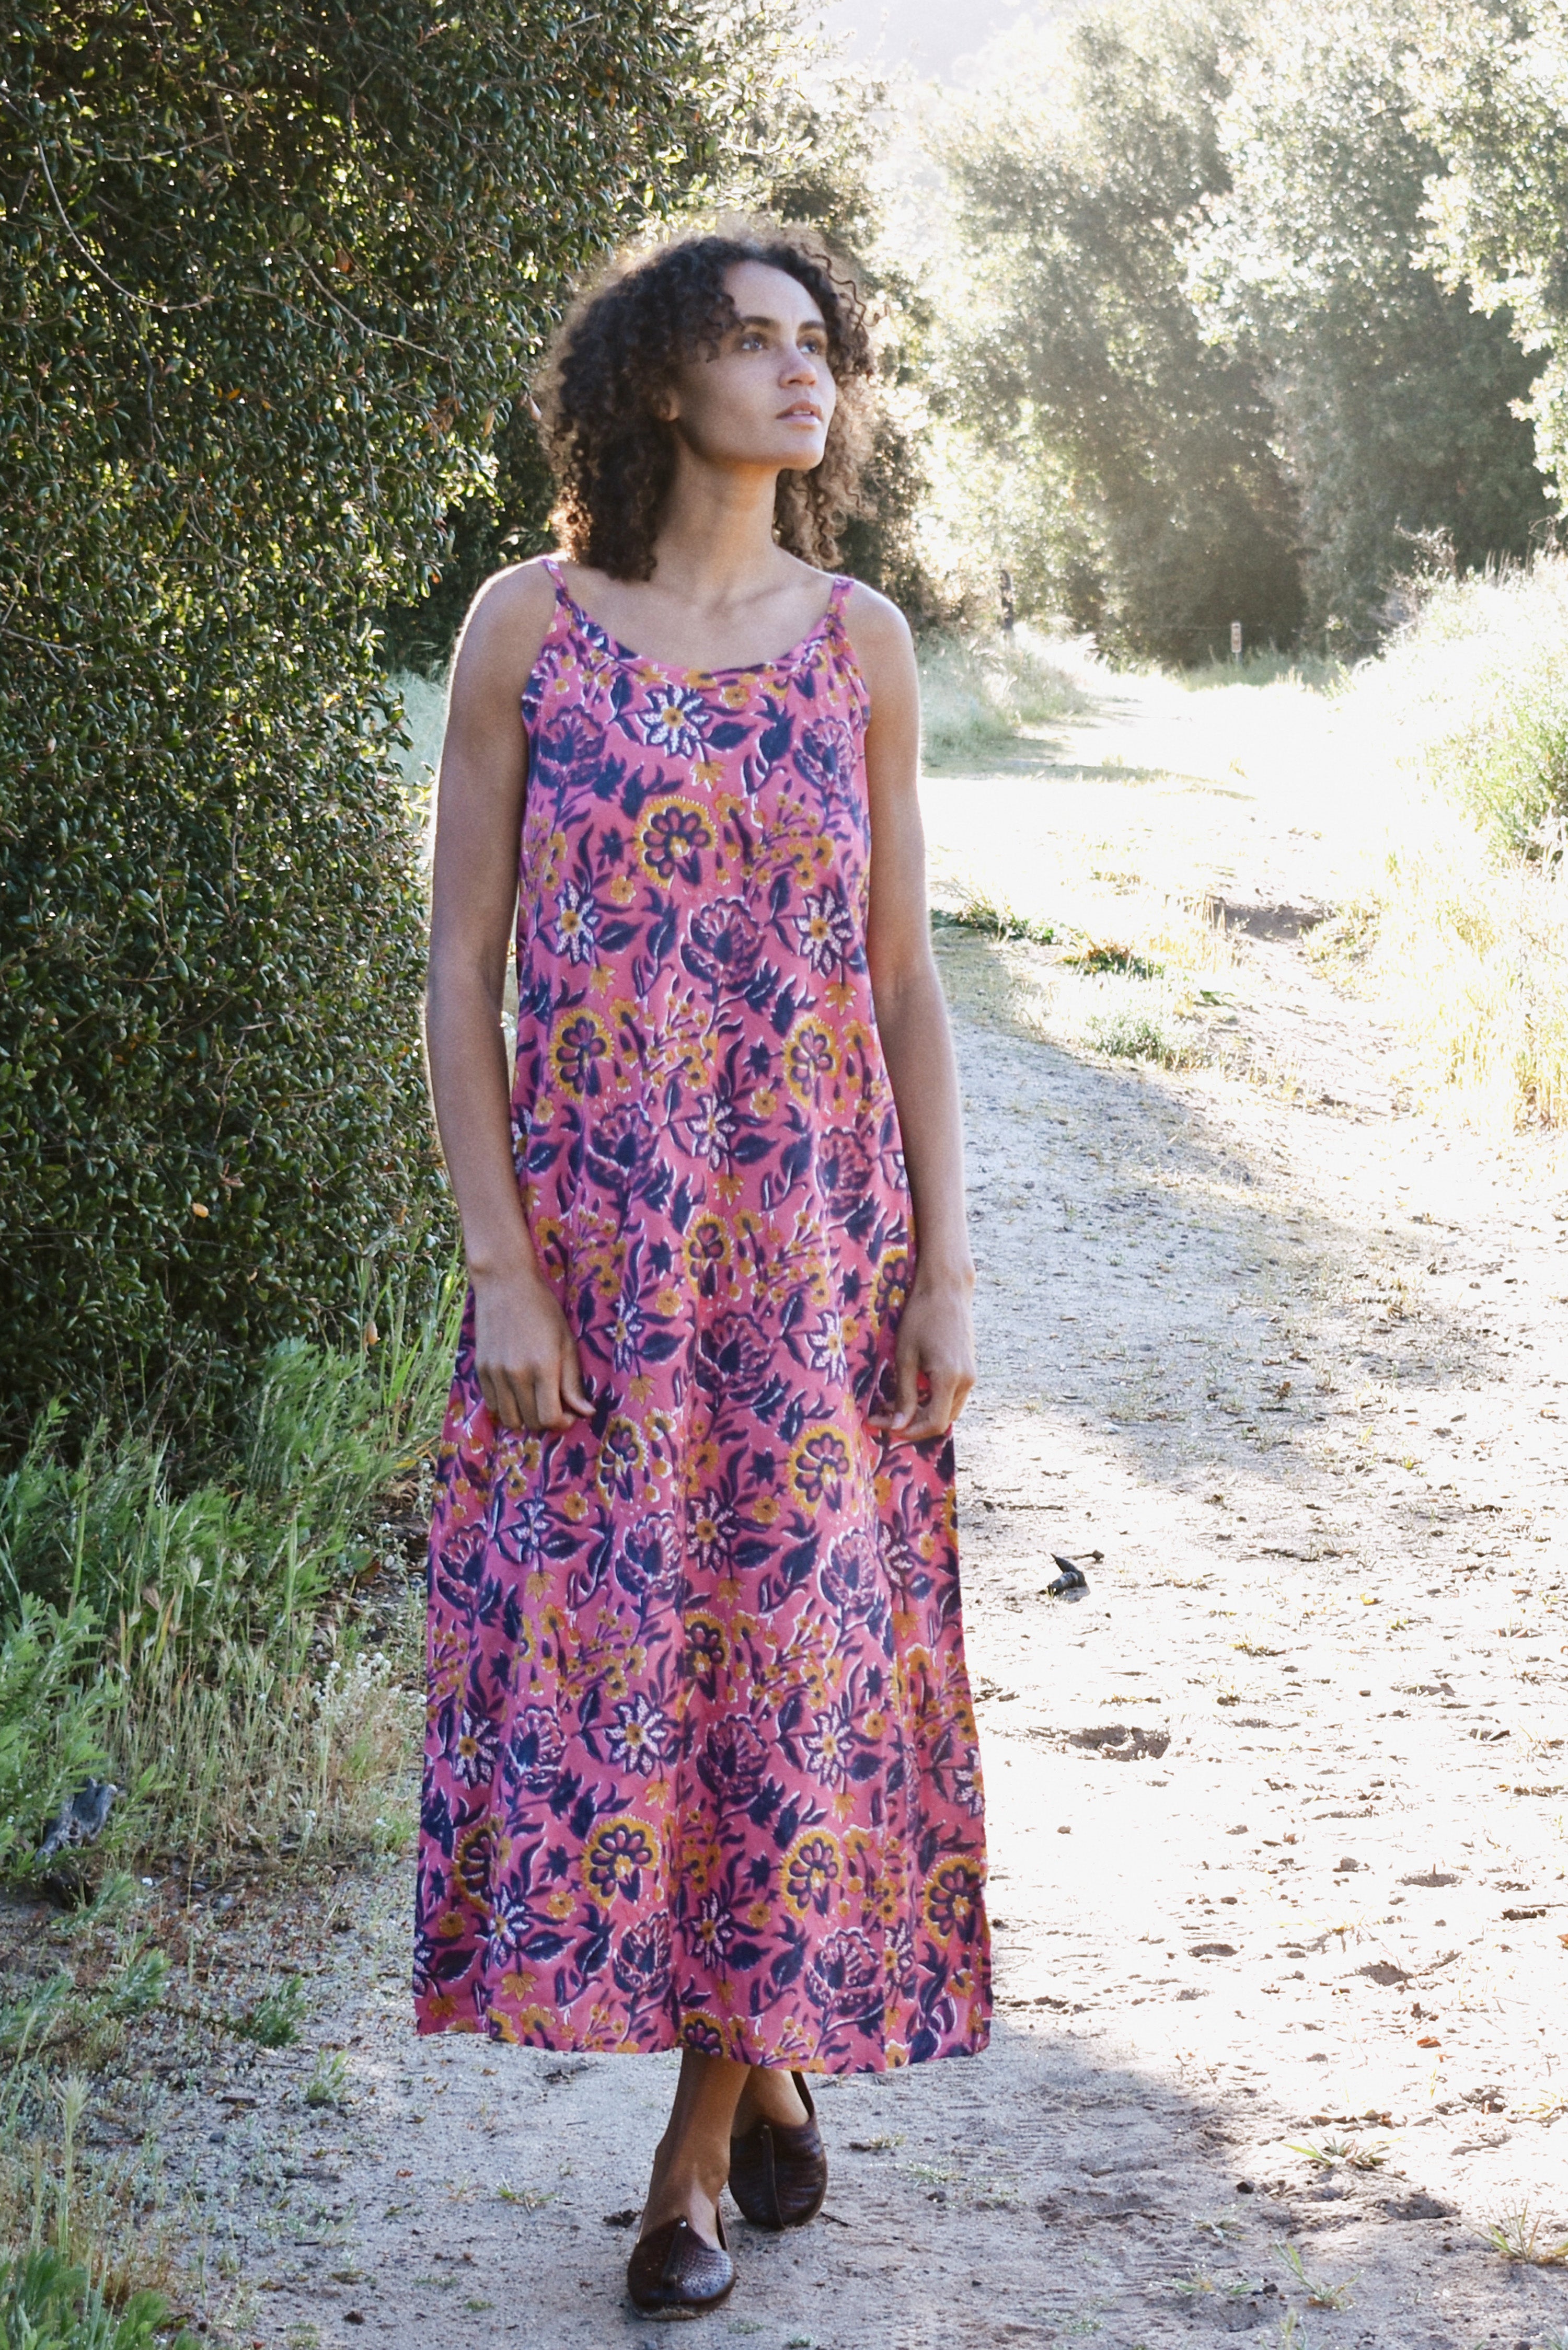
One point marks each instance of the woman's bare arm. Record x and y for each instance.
(936, 1336)
(526, 1360)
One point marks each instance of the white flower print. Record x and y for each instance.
(577, 923)
(674, 721)
(473, 1756)
(830, 1745)
(712, 1127)
(825, 1348)
(639, 1735)
(825, 930)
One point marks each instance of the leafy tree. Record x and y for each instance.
(1156, 511)
(267, 274)
(1489, 82)
(1395, 398)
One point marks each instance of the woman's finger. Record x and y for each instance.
(936, 1414)
(512, 1399)
(574, 1394)
(906, 1393)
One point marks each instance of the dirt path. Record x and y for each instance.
(1276, 1810)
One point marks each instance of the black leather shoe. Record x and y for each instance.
(778, 2175)
(673, 2274)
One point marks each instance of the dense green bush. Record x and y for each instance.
(269, 276)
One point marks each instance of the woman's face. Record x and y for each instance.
(768, 397)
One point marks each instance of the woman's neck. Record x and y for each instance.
(715, 546)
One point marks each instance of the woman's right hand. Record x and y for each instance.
(525, 1356)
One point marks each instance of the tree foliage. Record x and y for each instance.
(1158, 506)
(1490, 81)
(1395, 398)
(268, 275)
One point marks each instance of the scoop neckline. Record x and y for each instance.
(786, 659)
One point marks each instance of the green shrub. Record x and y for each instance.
(47, 2304)
(268, 280)
(1473, 697)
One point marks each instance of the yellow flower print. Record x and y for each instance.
(560, 1903)
(952, 1899)
(819, 1468)
(622, 1456)
(810, 1059)
(764, 1510)
(577, 1051)
(672, 838)
(615, 1857)
(811, 1872)
(707, 1248)
(706, 1649)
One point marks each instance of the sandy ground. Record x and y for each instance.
(1276, 1809)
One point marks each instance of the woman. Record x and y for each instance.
(702, 1768)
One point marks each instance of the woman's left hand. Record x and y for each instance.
(935, 1354)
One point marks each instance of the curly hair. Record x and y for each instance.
(618, 351)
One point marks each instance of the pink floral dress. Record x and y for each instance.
(701, 1765)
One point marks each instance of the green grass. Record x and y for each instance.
(1128, 1035)
(995, 921)
(205, 1643)
(47, 2302)
(1102, 960)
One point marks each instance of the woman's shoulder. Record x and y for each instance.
(879, 632)
(522, 593)
(507, 624)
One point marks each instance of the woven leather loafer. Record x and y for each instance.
(778, 2175)
(673, 2274)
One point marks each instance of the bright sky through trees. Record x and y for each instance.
(933, 38)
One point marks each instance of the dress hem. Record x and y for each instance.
(568, 2045)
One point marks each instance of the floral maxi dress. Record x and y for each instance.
(701, 1765)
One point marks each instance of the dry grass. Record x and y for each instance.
(1463, 928)
(273, 1765)
(980, 695)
